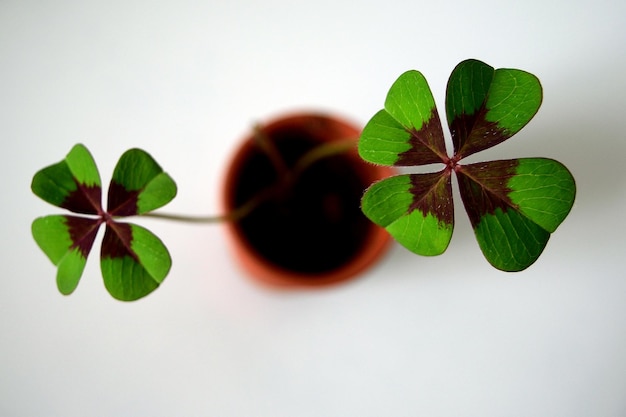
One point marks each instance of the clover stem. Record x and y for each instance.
(235, 215)
(323, 151)
(316, 154)
(264, 142)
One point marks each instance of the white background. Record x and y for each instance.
(446, 336)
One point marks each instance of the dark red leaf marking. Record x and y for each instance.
(471, 133)
(432, 193)
(122, 202)
(85, 199)
(117, 241)
(82, 232)
(484, 189)
(427, 144)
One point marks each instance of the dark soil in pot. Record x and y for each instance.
(313, 226)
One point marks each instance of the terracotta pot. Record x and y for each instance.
(309, 232)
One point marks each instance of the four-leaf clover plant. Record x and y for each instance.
(132, 259)
(513, 205)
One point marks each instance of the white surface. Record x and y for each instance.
(446, 336)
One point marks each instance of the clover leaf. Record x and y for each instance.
(132, 259)
(513, 205)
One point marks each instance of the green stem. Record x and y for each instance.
(235, 215)
(264, 142)
(288, 175)
(320, 152)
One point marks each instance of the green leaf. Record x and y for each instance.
(466, 92)
(67, 241)
(383, 140)
(514, 205)
(485, 107)
(134, 261)
(416, 209)
(139, 185)
(510, 241)
(408, 131)
(82, 166)
(544, 190)
(73, 183)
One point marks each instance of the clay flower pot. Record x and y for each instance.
(309, 231)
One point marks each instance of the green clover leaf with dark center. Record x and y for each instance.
(513, 205)
(133, 260)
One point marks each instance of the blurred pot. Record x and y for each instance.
(308, 230)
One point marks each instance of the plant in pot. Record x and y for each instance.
(302, 176)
